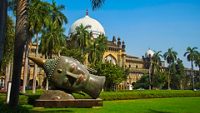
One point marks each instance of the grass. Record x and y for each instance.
(180, 101)
(158, 105)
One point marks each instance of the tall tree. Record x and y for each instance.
(97, 3)
(52, 40)
(170, 56)
(57, 17)
(197, 60)
(97, 49)
(156, 61)
(37, 10)
(8, 49)
(180, 74)
(20, 40)
(197, 64)
(53, 37)
(191, 54)
(156, 68)
(3, 16)
(82, 37)
(113, 73)
(46, 17)
(25, 68)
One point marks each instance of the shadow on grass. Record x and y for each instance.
(51, 111)
(156, 111)
(4, 108)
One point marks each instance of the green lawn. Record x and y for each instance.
(157, 105)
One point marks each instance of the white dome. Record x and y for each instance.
(149, 53)
(96, 28)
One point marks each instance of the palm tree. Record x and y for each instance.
(25, 71)
(156, 64)
(191, 54)
(170, 56)
(37, 10)
(97, 3)
(82, 37)
(197, 60)
(92, 50)
(156, 59)
(57, 17)
(53, 35)
(20, 40)
(180, 73)
(52, 40)
(8, 49)
(3, 15)
(47, 46)
(97, 49)
(81, 40)
(39, 22)
(102, 46)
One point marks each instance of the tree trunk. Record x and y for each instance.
(47, 81)
(3, 16)
(168, 78)
(35, 66)
(11, 70)
(20, 41)
(192, 75)
(8, 73)
(168, 82)
(25, 68)
(150, 76)
(47, 84)
(59, 53)
(181, 84)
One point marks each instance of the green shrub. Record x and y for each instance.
(140, 94)
(32, 98)
(23, 99)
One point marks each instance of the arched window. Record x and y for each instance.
(110, 59)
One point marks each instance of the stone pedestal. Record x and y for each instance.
(80, 103)
(57, 98)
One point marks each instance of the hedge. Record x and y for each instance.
(29, 98)
(141, 94)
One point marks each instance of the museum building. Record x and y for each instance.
(116, 52)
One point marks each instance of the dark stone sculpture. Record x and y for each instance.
(69, 75)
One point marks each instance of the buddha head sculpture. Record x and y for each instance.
(69, 75)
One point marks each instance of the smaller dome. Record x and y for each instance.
(149, 53)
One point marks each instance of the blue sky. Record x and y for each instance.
(143, 24)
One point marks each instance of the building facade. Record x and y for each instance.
(116, 52)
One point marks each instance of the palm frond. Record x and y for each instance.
(97, 3)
